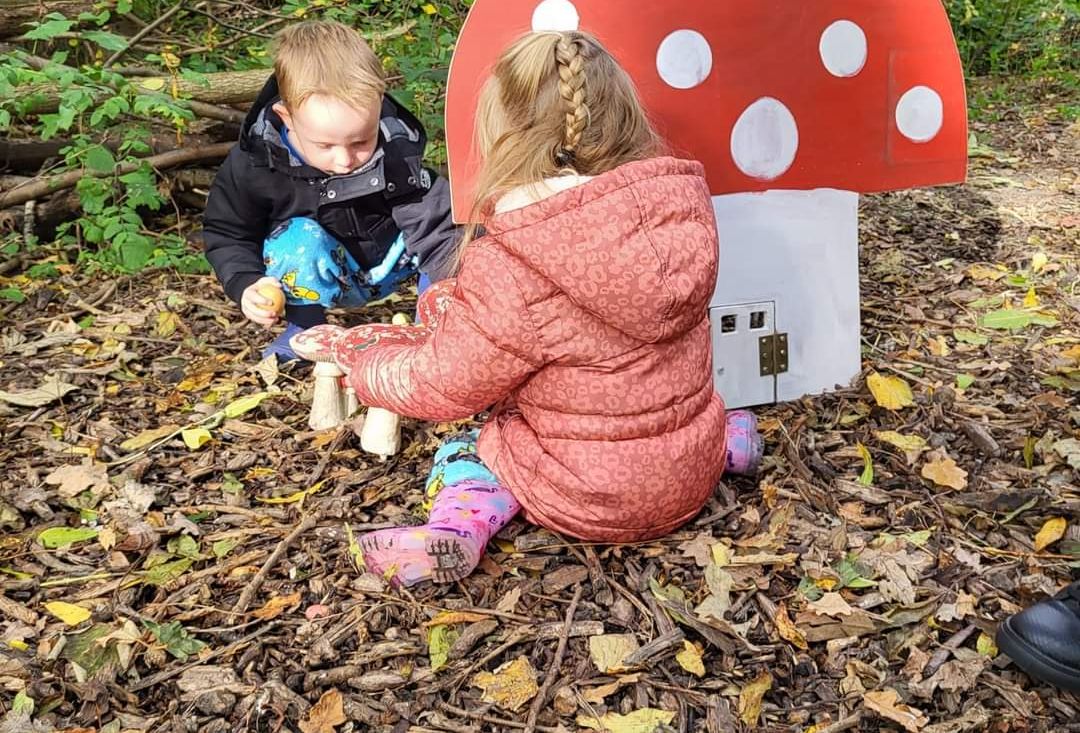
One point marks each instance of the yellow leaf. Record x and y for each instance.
(892, 393)
(1052, 531)
(167, 323)
(244, 404)
(325, 715)
(788, 630)
(147, 437)
(751, 697)
(867, 476)
(943, 471)
(277, 606)
(886, 703)
(291, 498)
(721, 555)
(1039, 261)
(912, 445)
(69, 613)
(982, 272)
(986, 646)
(195, 438)
(107, 538)
(429, 9)
(153, 84)
(18, 645)
(690, 659)
(939, 346)
(1072, 354)
(509, 686)
(1031, 300)
(607, 651)
(446, 618)
(646, 720)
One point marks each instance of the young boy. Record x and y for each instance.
(325, 196)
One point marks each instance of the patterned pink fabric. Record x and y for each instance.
(583, 319)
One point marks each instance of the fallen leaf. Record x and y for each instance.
(455, 617)
(751, 697)
(912, 445)
(325, 715)
(986, 645)
(646, 720)
(195, 438)
(55, 537)
(73, 479)
(963, 381)
(943, 471)
(508, 603)
(886, 703)
(277, 606)
(1069, 449)
(147, 437)
(831, 604)
(107, 538)
(50, 390)
(938, 346)
(166, 323)
(69, 613)
(788, 630)
(963, 335)
(509, 686)
(607, 651)
(890, 392)
(1051, 532)
(236, 408)
(690, 659)
(1039, 261)
(982, 272)
(440, 639)
(867, 476)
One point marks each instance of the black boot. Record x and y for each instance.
(1044, 640)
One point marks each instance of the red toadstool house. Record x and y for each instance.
(795, 108)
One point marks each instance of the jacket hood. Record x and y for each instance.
(262, 134)
(636, 247)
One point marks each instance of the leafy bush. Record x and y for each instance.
(1006, 37)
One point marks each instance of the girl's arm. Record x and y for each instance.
(483, 348)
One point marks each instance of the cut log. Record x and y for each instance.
(14, 14)
(225, 87)
(45, 186)
(29, 155)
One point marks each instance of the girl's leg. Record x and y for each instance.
(745, 446)
(468, 506)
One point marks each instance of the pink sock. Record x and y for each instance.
(463, 518)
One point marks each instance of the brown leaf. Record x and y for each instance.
(886, 703)
(751, 697)
(448, 618)
(277, 606)
(325, 715)
(607, 651)
(72, 480)
(788, 630)
(831, 604)
(509, 686)
(943, 471)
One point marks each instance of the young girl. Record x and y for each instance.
(580, 314)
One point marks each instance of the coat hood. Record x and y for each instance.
(635, 247)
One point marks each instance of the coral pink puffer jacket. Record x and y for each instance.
(583, 319)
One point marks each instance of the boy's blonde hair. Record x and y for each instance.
(557, 102)
(328, 58)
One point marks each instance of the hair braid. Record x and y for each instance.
(572, 89)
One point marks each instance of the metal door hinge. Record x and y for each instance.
(773, 354)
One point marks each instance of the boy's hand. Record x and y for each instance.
(256, 306)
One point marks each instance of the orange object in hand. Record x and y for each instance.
(274, 295)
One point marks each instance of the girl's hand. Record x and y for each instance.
(257, 307)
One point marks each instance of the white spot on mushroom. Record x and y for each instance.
(843, 48)
(555, 15)
(765, 139)
(684, 59)
(920, 114)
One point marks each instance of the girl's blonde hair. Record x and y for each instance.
(328, 58)
(556, 103)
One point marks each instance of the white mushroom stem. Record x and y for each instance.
(328, 408)
(351, 403)
(381, 433)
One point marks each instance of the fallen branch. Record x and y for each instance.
(171, 159)
(552, 673)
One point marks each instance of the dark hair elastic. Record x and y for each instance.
(564, 157)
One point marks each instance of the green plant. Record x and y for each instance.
(1005, 37)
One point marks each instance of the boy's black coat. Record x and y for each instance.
(261, 185)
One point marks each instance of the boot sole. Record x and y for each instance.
(448, 559)
(1036, 664)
